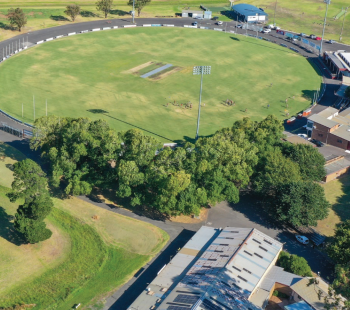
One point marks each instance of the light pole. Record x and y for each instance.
(342, 27)
(324, 24)
(274, 14)
(200, 70)
(133, 11)
(257, 27)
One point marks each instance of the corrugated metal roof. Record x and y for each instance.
(277, 274)
(328, 112)
(336, 165)
(248, 10)
(323, 121)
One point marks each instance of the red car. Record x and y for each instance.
(318, 39)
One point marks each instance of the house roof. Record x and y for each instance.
(323, 121)
(313, 293)
(328, 112)
(248, 10)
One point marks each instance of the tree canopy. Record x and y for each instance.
(294, 264)
(339, 249)
(139, 5)
(72, 10)
(104, 6)
(16, 18)
(30, 184)
(249, 155)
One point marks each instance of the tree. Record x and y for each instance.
(294, 264)
(339, 249)
(347, 92)
(310, 161)
(30, 183)
(72, 10)
(341, 283)
(104, 6)
(275, 169)
(139, 5)
(17, 18)
(300, 203)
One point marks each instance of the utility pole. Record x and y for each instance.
(324, 24)
(200, 70)
(342, 27)
(34, 106)
(274, 14)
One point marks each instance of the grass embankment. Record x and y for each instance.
(82, 262)
(295, 15)
(338, 194)
(90, 73)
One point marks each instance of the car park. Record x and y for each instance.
(312, 36)
(219, 22)
(302, 239)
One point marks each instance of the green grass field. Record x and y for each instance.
(338, 194)
(83, 261)
(88, 75)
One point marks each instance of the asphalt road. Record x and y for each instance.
(244, 214)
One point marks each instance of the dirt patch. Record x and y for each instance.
(189, 219)
(165, 74)
(135, 69)
(3, 16)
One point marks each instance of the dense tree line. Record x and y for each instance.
(249, 155)
(30, 185)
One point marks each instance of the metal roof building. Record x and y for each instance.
(216, 269)
(249, 13)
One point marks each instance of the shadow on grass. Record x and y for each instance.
(59, 18)
(100, 111)
(7, 230)
(342, 206)
(6, 26)
(119, 12)
(235, 39)
(88, 14)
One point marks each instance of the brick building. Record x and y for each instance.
(331, 127)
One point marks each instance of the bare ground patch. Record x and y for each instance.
(135, 69)
(162, 74)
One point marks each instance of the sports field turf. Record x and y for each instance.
(85, 259)
(88, 75)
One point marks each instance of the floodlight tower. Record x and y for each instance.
(200, 70)
(133, 11)
(328, 2)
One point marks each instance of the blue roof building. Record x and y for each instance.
(249, 13)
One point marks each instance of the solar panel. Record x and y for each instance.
(177, 308)
(208, 305)
(186, 299)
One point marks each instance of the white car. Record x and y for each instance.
(266, 30)
(219, 22)
(302, 135)
(302, 239)
(198, 17)
(239, 26)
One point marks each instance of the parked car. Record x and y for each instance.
(277, 28)
(312, 36)
(331, 41)
(303, 35)
(302, 135)
(198, 17)
(318, 38)
(266, 30)
(318, 143)
(194, 24)
(239, 26)
(215, 18)
(219, 22)
(302, 239)
(283, 45)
